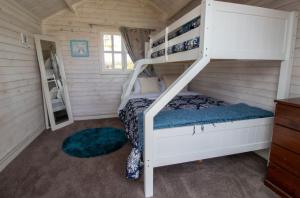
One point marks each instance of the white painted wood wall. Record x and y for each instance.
(169, 69)
(251, 82)
(21, 108)
(92, 94)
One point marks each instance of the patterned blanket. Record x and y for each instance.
(129, 116)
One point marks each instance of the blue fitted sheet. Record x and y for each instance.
(212, 115)
(185, 117)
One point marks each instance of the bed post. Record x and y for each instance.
(148, 155)
(156, 106)
(171, 92)
(287, 64)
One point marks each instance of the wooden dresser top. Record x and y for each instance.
(291, 102)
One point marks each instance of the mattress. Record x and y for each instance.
(183, 110)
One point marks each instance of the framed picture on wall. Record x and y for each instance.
(79, 48)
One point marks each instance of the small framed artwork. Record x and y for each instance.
(79, 48)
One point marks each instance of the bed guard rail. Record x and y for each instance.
(139, 66)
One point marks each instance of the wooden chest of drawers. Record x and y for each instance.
(283, 174)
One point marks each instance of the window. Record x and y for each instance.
(115, 56)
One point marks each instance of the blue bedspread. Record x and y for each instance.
(181, 111)
(129, 116)
(185, 117)
(212, 115)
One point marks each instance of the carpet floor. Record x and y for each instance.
(43, 170)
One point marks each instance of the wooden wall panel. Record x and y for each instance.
(251, 82)
(21, 109)
(93, 94)
(170, 68)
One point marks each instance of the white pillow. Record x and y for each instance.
(149, 85)
(137, 87)
(162, 85)
(169, 79)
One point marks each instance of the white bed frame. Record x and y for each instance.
(227, 31)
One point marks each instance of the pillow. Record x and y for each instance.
(137, 87)
(149, 85)
(169, 79)
(162, 85)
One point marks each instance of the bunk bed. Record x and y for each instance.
(213, 30)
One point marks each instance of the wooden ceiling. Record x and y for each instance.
(166, 8)
(171, 7)
(46, 8)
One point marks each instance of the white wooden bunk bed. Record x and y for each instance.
(226, 31)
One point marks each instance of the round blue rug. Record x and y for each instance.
(94, 142)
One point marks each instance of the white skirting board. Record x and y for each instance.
(96, 117)
(13, 153)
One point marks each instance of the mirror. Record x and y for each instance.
(54, 82)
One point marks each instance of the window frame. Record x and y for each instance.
(123, 52)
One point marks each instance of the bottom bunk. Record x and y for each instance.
(193, 127)
(191, 143)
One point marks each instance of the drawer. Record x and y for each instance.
(285, 159)
(287, 138)
(288, 116)
(283, 180)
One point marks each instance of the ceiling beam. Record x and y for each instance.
(70, 6)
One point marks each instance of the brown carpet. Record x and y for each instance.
(43, 170)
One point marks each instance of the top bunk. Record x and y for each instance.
(225, 31)
(220, 30)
